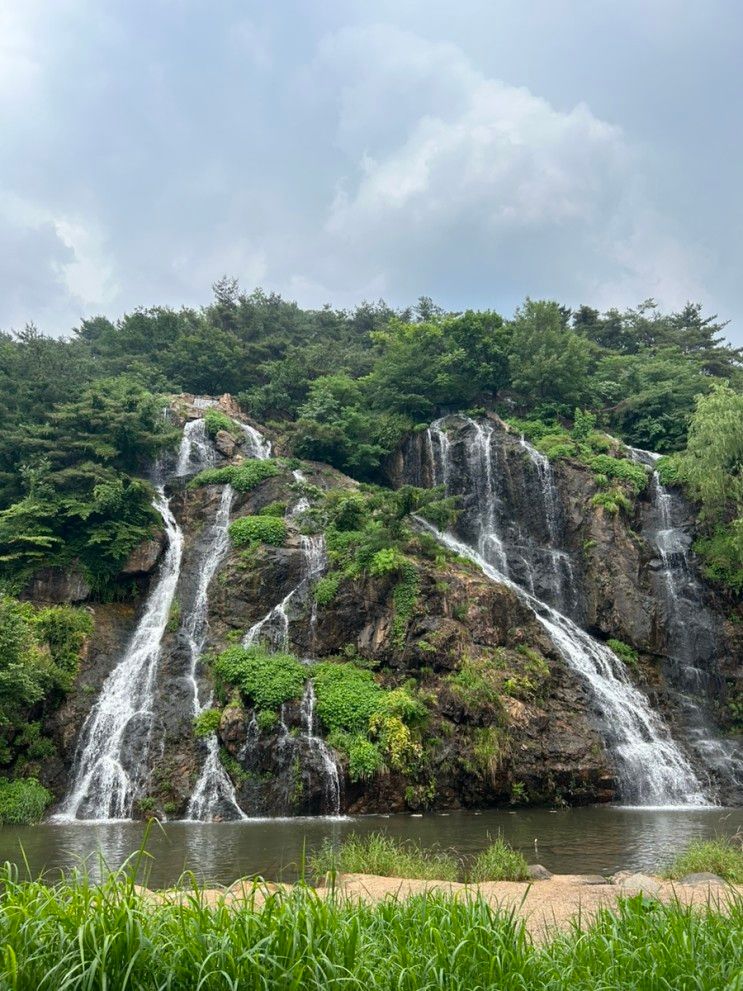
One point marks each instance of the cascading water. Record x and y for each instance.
(320, 749)
(651, 768)
(214, 794)
(196, 451)
(110, 764)
(691, 640)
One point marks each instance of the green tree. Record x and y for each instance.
(549, 362)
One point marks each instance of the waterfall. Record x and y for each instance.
(196, 451)
(320, 749)
(214, 793)
(651, 768)
(691, 639)
(110, 764)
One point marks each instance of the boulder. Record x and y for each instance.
(225, 443)
(701, 877)
(144, 557)
(592, 879)
(539, 873)
(638, 884)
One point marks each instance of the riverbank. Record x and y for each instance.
(544, 906)
(369, 933)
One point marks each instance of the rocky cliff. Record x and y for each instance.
(507, 720)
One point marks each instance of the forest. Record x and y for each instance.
(81, 416)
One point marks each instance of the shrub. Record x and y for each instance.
(22, 802)
(477, 686)
(242, 478)
(346, 696)
(326, 588)
(215, 420)
(207, 722)
(386, 561)
(635, 476)
(273, 509)
(612, 502)
(721, 856)
(722, 555)
(249, 530)
(267, 679)
(499, 862)
(364, 759)
(266, 720)
(385, 856)
(490, 745)
(404, 599)
(669, 469)
(624, 651)
(583, 424)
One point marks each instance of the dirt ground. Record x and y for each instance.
(544, 905)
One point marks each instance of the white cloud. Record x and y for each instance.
(487, 183)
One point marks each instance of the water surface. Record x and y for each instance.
(586, 840)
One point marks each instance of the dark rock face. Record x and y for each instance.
(54, 586)
(144, 557)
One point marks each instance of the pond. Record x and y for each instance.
(600, 839)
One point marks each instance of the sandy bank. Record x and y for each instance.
(544, 905)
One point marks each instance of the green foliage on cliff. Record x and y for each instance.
(266, 679)
(711, 470)
(22, 802)
(207, 722)
(215, 420)
(249, 530)
(243, 477)
(39, 655)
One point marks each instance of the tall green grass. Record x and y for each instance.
(499, 862)
(723, 856)
(385, 856)
(76, 936)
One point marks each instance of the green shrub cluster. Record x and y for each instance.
(243, 477)
(215, 420)
(249, 530)
(273, 509)
(326, 588)
(22, 801)
(39, 655)
(624, 651)
(612, 501)
(621, 469)
(266, 679)
(207, 722)
(346, 696)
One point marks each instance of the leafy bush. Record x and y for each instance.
(624, 651)
(22, 802)
(386, 561)
(364, 759)
(583, 424)
(346, 696)
(720, 856)
(207, 722)
(669, 469)
(242, 478)
(384, 856)
(477, 685)
(612, 501)
(267, 680)
(622, 469)
(250, 530)
(215, 420)
(499, 862)
(266, 720)
(722, 555)
(326, 588)
(273, 509)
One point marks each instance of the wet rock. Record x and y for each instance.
(539, 873)
(225, 443)
(144, 557)
(701, 877)
(57, 585)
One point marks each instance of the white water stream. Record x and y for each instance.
(652, 769)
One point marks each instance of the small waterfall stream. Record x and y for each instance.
(652, 769)
(110, 764)
(691, 639)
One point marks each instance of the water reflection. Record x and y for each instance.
(587, 840)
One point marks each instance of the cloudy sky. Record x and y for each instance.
(334, 150)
